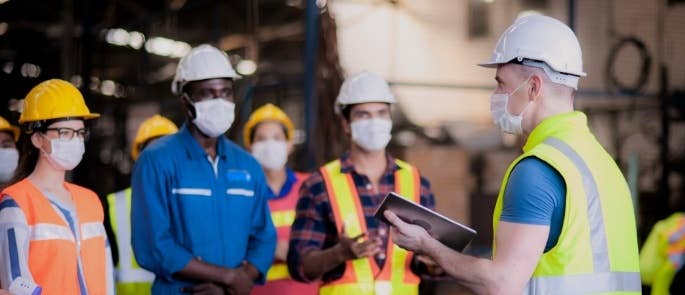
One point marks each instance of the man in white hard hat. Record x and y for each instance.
(335, 238)
(199, 212)
(564, 220)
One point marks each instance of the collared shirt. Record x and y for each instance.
(182, 209)
(290, 180)
(314, 226)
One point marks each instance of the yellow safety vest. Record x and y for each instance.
(360, 276)
(130, 277)
(663, 253)
(597, 247)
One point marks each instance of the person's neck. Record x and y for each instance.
(207, 143)
(276, 179)
(369, 163)
(46, 177)
(551, 108)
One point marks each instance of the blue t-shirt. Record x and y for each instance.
(536, 194)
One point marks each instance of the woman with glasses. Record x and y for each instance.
(52, 237)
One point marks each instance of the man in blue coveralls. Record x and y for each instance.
(199, 214)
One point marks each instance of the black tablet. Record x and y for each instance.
(451, 233)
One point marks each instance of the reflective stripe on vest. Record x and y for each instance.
(602, 279)
(359, 276)
(46, 231)
(594, 283)
(597, 247)
(283, 218)
(600, 259)
(130, 277)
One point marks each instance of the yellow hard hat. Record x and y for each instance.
(267, 112)
(5, 126)
(154, 126)
(54, 99)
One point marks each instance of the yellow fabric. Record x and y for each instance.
(278, 271)
(123, 287)
(154, 126)
(267, 112)
(353, 227)
(134, 288)
(655, 268)
(366, 283)
(283, 218)
(573, 253)
(380, 288)
(6, 126)
(54, 99)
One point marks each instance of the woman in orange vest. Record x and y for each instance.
(268, 134)
(53, 240)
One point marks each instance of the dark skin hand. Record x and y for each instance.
(237, 281)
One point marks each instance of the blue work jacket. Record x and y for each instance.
(186, 205)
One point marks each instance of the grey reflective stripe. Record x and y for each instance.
(594, 283)
(601, 280)
(598, 242)
(677, 235)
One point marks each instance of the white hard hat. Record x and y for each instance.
(545, 39)
(202, 62)
(362, 88)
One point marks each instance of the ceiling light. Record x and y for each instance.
(246, 67)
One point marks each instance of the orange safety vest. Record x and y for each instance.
(361, 275)
(283, 214)
(54, 252)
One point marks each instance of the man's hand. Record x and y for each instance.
(407, 236)
(204, 289)
(237, 281)
(354, 247)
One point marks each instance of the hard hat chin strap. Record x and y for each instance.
(556, 77)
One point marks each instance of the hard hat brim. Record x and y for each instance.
(12, 129)
(489, 64)
(84, 117)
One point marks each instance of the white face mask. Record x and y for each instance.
(371, 134)
(9, 158)
(502, 118)
(214, 116)
(271, 154)
(66, 154)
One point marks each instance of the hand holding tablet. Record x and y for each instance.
(450, 233)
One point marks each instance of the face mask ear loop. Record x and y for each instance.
(506, 107)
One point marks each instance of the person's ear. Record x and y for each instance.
(290, 146)
(188, 106)
(37, 140)
(345, 125)
(535, 86)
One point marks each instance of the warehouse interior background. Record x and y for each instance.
(122, 54)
